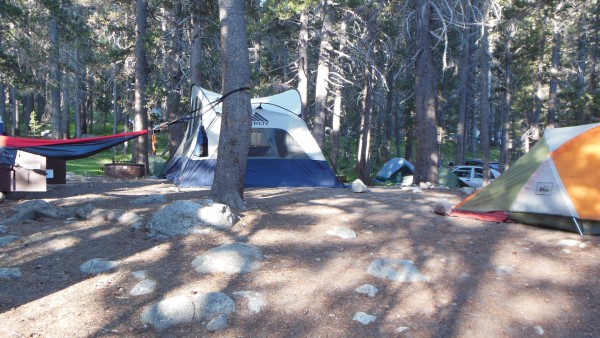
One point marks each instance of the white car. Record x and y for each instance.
(473, 175)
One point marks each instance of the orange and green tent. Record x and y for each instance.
(555, 185)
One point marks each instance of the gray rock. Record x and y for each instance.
(425, 185)
(367, 289)
(140, 274)
(218, 323)
(256, 301)
(130, 218)
(6, 240)
(143, 287)
(364, 318)
(2, 197)
(182, 218)
(184, 309)
(209, 305)
(97, 266)
(169, 312)
(101, 215)
(417, 190)
(403, 271)
(229, 259)
(443, 207)
(34, 209)
(85, 211)
(402, 329)
(467, 190)
(358, 186)
(150, 199)
(539, 330)
(502, 270)
(3, 229)
(342, 232)
(569, 242)
(10, 273)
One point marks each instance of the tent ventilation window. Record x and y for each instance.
(274, 143)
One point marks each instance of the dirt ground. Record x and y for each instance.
(486, 279)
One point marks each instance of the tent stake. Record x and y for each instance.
(578, 227)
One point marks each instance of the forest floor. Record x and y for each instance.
(485, 279)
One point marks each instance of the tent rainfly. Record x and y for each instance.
(283, 152)
(555, 185)
(396, 170)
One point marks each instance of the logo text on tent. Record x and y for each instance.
(543, 188)
(259, 120)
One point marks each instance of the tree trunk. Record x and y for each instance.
(3, 103)
(175, 78)
(55, 80)
(426, 168)
(141, 80)
(461, 128)
(485, 95)
(553, 96)
(303, 63)
(236, 118)
(363, 165)
(79, 95)
(507, 108)
(336, 123)
(14, 109)
(64, 119)
(535, 121)
(196, 48)
(321, 85)
(115, 100)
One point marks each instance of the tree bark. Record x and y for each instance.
(14, 108)
(141, 80)
(426, 168)
(236, 118)
(55, 79)
(3, 103)
(363, 165)
(175, 77)
(462, 126)
(196, 47)
(303, 63)
(553, 95)
(485, 94)
(321, 85)
(507, 108)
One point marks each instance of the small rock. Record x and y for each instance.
(10, 273)
(229, 259)
(342, 232)
(97, 266)
(425, 185)
(539, 330)
(220, 322)
(169, 312)
(467, 190)
(402, 329)
(140, 274)
(364, 318)
(150, 199)
(358, 186)
(443, 207)
(6, 240)
(403, 271)
(256, 301)
(504, 270)
(569, 242)
(417, 190)
(143, 287)
(367, 289)
(129, 218)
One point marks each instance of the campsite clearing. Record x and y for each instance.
(483, 279)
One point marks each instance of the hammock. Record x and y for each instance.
(70, 149)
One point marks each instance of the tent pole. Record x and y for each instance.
(578, 227)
